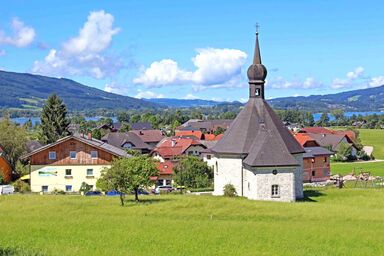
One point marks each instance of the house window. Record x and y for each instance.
(209, 157)
(44, 188)
(72, 154)
(275, 191)
(68, 188)
(160, 182)
(68, 172)
(313, 173)
(89, 172)
(325, 159)
(190, 152)
(168, 182)
(52, 155)
(93, 154)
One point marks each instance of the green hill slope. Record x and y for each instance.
(27, 91)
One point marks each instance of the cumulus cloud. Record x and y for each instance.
(351, 80)
(376, 81)
(148, 95)
(21, 35)
(84, 54)
(281, 83)
(214, 67)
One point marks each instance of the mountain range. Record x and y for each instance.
(28, 92)
(22, 91)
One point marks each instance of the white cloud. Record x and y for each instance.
(281, 83)
(22, 35)
(352, 79)
(214, 67)
(148, 95)
(190, 96)
(376, 81)
(84, 54)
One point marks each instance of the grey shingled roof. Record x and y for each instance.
(316, 151)
(118, 139)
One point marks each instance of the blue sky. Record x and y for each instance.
(196, 49)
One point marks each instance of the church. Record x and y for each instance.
(257, 154)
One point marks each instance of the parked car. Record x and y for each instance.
(6, 189)
(93, 193)
(162, 188)
(113, 193)
(141, 192)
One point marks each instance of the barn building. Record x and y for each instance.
(257, 154)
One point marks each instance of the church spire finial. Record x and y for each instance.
(257, 55)
(257, 72)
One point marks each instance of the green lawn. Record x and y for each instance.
(376, 168)
(375, 138)
(336, 222)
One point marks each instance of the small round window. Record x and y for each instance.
(274, 172)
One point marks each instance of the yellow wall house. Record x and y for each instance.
(70, 161)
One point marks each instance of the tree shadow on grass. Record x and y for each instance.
(146, 201)
(9, 251)
(310, 194)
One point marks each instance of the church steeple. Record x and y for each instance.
(256, 72)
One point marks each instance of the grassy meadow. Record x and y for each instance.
(369, 137)
(328, 222)
(375, 138)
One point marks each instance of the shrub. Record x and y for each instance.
(21, 186)
(85, 187)
(58, 191)
(229, 190)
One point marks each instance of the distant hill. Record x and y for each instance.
(370, 99)
(183, 103)
(28, 92)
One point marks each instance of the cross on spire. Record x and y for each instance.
(257, 26)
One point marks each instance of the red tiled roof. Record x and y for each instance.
(175, 146)
(349, 133)
(303, 138)
(209, 136)
(316, 130)
(219, 137)
(197, 134)
(165, 168)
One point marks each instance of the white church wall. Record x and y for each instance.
(262, 179)
(227, 170)
(299, 176)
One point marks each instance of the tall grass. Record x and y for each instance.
(375, 138)
(328, 222)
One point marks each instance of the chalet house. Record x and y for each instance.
(68, 162)
(172, 148)
(257, 154)
(127, 140)
(321, 130)
(5, 167)
(151, 137)
(334, 141)
(165, 177)
(316, 159)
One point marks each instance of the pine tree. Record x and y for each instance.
(54, 121)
